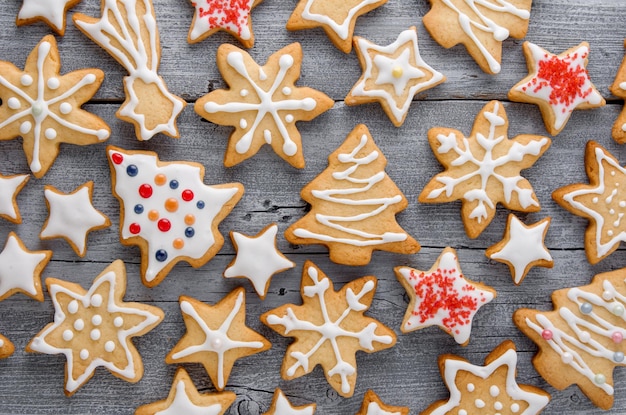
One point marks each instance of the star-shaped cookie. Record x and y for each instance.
(6, 347)
(184, 399)
(558, 84)
(52, 12)
(392, 75)
(522, 247)
(618, 88)
(443, 297)
(44, 107)
(257, 259)
(10, 186)
(282, 406)
(232, 16)
(372, 405)
(72, 217)
(337, 18)
(20, 269)
(216, 336)
(487, 389)
(602, 201)
(483, 169)
(94, 328)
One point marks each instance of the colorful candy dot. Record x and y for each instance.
(153, 215)
(546, 334)
(160, 255)
(134, 228)
(190, 232)
(174, 184)
(164, 225)
(117, 158)
(171, 205)
(618, 357)
(145, 191)
(187, 195)
(586, 308)
(397, 72)
(139, 209)
(190, 219)
(178, 243)
(160, 179)
(617, 337)
(599, 379)
(200, 204)
(132, 170)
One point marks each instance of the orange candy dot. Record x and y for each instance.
(153, 215)
(190, 219)
(160, 179)
(178, 243)
(171, 205)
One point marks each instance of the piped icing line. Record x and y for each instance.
(50, 11)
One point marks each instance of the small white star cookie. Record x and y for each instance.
(10, 186)
(372, 405)
(282, 406)
(52, 12)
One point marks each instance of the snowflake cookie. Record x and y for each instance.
(168, 211)
(6, 347)
(480, 25)
(618, 88)
(94, 328)
(52, 12)
(487, 389)
(392, 75)
(44, 107)
(558, 84)
(282, 406)
(329, 327)
(443, 297)
(353, 205)
(372, 405)
(263, 103)
(216, 336)
(184, 399)
(10, 186)
(483, 169)
(602, 202)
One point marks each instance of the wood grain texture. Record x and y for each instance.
(405, 375)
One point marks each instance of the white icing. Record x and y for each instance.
(374, 409)
(341, 28)
(209, 15)
(52, 11)
(53, 83)
(18, 267)
(9, 188)
(283, 407)
(182, 405)
(14, 103)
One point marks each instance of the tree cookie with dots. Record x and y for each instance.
(582, 340)
(44, 107)
(488, 389)
(168, 211)
(93, 328)
(373, 405)
(52, 12)
(263, 104)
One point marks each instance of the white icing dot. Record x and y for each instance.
(95, 334)
(109, 346)
(515, 408)
(14, 103)
(54, 83)
(84, 354)
(612, 211)
(479, 403)
(585, 336)
(90, 79)
(216, 344)
(50, 133)
(462, 412)
(243, 93)
(287, 90)
(243, 123)
(607, 295)
(68, 335)
(26, 80)
(289, 118)
(25, 127)
(470, 387)
(567, 358)
(96, 320)
(622, 204)
(498, 406)
(72, 307)
(613, 173)
(118, 321)
(594, 200)
(65, 108)
(96, 300)
(610, 233)
(79, 324)
(102, 134)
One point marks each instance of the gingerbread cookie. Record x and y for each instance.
(263, 104)
(618, 88)
(72, 217)
(480, 25)
(487, 389)
(353, 205)
(443, 297)
(6, 347)
(10, 186)
(216, 336)
(128, 31)
(483, 169)
(44, 107)
(522, 247)
(372, 405)
(558, 84)
(602, 202)
(184, 399)
(392, 75)
(168, 211)
(329, 327)
(94, 328)
(282, 406)
(336, 18)
(52, 12)
(582, 340)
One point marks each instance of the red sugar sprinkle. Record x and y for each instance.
(117, 158)
(222, 13)
(565, 79)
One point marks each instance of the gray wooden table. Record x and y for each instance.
(406, 374)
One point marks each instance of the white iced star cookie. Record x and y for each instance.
(50, 11)
(184, 399)
(522, 247)
(72, 217)
(20, 269)
(281, 406)
(94, 328)
(392, 75)
(257, 259)
(373, 405)
(10, 186)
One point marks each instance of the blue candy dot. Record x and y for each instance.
(161, 255)
(618, 357)
(174, 184)
(190, 232)
(200, 204)
(132, 170)
(138, 209)
(586, 308)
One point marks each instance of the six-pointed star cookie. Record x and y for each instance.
(184, 399)
(10, 186)
(372, 405)
(216, 336)
(558, 84)
(392, 75)
(443, 297)
(522, 247)
(487, 389)
(72, 217)
(257, 258)
(53, 12)
(6, 347)
(232, 16)
(337, 18)
(94, 328)
(282, 406)
(20, 269)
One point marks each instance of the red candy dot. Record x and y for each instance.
(617, 337)
(117, 158)
(145, 191)
(546, 334)
(134, 228)
(187, 195)
(164, 225)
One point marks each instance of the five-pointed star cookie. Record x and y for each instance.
(522, 247)
(558, 84)
(483, 169)
(487, 389)
(602, 201)
(337, 18)
(53, 12)
(184, 399)
(233, 16)
(372, 405)
(282, 406)
(94, 328)
(20, 269)
(6, 347)
(216, 336)
(257, 258)
(443, 297)
(618, 88)
(44, 107)
(72, 217)
(392, 75)
(263, 103)
(10, 186)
